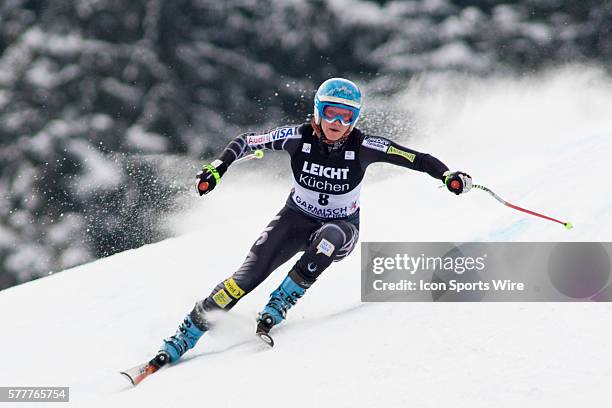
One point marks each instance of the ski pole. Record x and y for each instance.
(257, 154)
(568, 225)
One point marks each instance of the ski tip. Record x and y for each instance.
(139, 373)
(129, 377)
(266, 339)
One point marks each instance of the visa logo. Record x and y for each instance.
(281, 133)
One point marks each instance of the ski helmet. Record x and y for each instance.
(338, 92)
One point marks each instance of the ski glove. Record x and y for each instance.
(209, 177)
(457, 182)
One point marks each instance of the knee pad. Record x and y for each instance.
(336, 239)
(329, 239)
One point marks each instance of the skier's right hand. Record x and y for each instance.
(209, 177)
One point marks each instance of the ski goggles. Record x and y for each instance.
(345, 114)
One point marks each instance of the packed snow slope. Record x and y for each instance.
(544, 143)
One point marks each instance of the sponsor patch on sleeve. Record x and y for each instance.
(408, 156)
(274, 135)
(233, 288)
(222, 298)
(255, 140)
(325, 247)
(376, 143)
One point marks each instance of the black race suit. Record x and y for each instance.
(321, 215)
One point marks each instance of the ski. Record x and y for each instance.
(136, 374)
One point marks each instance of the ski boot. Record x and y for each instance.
(173, 348)
(184, 339)
(281, 300)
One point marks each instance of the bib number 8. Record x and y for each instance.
(323, 199)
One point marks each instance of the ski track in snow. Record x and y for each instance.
(81, 327)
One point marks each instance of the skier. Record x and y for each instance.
(329, 157)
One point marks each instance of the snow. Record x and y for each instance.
(7, 238)
(67, 45)
(146, 142)
(100, 173)
(28, 260)
(354, 12)
(67, 227)
(75, 255)
(455, 53)
(128, 95)
(506, 17)
(541, 142)
(42, 73)
(101, 122)
(5, 98)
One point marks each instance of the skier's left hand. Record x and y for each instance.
(457, 182)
